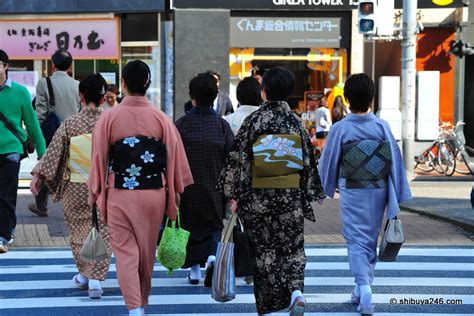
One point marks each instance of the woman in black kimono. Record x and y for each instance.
(274, 194)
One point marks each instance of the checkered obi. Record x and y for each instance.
(366, 164)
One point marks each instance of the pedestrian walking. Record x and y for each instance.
(249, 97)
(207, 139)
(339, 110)
(111, 96)
(362, 159)
(271, 172)
(15, 110)
(139, 166)
(323, 121)
(64, 90)
(65, 169)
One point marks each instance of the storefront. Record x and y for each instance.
(313, 39)
(101, 37)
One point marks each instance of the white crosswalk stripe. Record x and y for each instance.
(39, 283)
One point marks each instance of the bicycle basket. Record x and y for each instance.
(454, 142)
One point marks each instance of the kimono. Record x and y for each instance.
(134, 215)
(207, 139)
(273, 218)
(77, 213)
(362, 208)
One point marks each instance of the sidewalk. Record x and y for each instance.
(51, 231)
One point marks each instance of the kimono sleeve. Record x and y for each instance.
(398, 187)
(99, 169)
(329, 161)
(52, 164)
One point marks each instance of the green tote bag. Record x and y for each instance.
(171, 252)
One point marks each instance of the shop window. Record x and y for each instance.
(139, 27)
(109, 69)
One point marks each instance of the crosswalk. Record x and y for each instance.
(38, 282)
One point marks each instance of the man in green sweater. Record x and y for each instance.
(15, 105)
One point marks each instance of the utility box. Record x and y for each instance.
(389, 104)
(427, 101)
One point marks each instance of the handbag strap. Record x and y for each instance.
(173, 223)
(95, 219)
(10, 127)
(230, 228)
(52, 102)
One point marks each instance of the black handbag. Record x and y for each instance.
(52, 122)
(242, 256)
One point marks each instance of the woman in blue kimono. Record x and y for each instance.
(362, 159)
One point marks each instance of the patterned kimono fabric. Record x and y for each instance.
(363, 204)
(77, 214)
(273, 218)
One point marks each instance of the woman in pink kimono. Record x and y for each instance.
(136, 153)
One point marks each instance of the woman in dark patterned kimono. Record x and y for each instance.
(68, 182)
(274, 194)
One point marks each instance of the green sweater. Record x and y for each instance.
(15, 104)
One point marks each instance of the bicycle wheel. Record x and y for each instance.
(424, 162)
(463, 163)
(446, 159)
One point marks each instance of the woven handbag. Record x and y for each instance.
(171, 252)
(94, 247)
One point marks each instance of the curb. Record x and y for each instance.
(466, 226)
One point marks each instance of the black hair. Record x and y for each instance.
(248, 92)
(62, 59)
(278, 84)
(203, 89)
(113, 88)
(359, 91)
(93, 87)
(214, 73)
(137, 76)
(5, 59)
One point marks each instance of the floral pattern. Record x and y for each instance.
(133, 170)
(130, 183)
(131, 141)
(147, 157)
(273, 218)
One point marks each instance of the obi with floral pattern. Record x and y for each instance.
(138, 163)
(277, 161)
(366, 164)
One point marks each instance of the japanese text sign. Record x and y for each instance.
(39, 39)
(285, 32)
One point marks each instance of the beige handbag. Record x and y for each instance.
(94, 247)
(392, 240)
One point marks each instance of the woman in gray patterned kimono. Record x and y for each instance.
(274, 217)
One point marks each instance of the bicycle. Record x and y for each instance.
(457, 142)
(439, 156)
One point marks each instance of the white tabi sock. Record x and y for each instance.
(94, 284)
(357, 291)
(295, 295)
(365, 295)
(143, 310)
(135, 312)
(82, 278)
(196, 272)
(210, 259)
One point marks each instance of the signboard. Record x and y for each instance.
(39, 39)
(301, 4)
(29, 79)
(285, 32)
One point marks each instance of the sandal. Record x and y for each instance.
(297, 309)
(80, 285)
(193, 281)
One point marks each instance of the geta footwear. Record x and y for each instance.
(208, 275)
(248, 279)
(193, 281)
(3, 245)
(297, 309)
(34, 209)
(80, 285)
(354, 298)
(95, 293)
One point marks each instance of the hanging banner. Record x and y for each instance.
(39, 39)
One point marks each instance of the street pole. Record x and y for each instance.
(409, 83)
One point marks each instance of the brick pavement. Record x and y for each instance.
(34, 231)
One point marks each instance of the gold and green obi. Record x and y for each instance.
(366, 164)
(79, 161)
(278, 160)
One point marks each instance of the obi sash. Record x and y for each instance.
(366, 164)
(79, 161)
(138, 163)
(278, 159)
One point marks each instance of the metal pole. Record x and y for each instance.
(409, 83)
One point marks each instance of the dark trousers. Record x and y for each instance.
(42, 198)
(9, 169)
